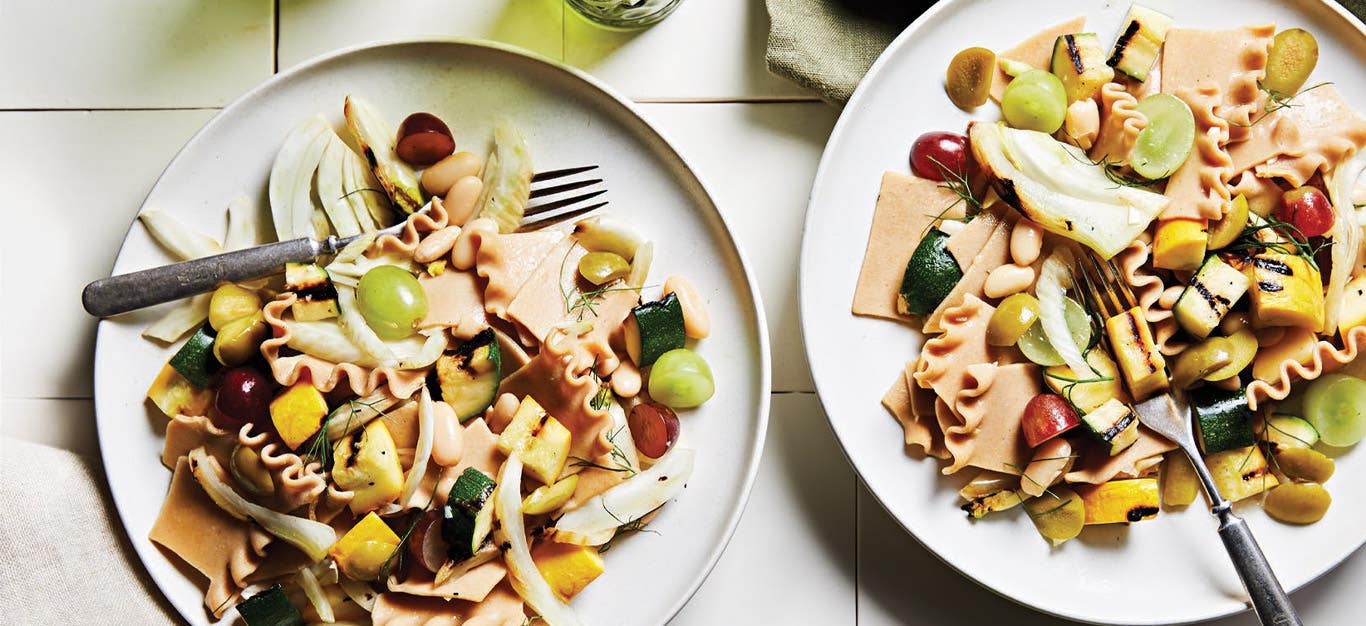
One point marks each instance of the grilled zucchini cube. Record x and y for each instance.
(1120, 501)
(174, 395)
(467, 378)
(1209, 296)
(541, 440)
(1114, 425)
(1140, 39)
(1286, 290)
(366, 463)
(1079, 62)
(1223, 419)
(1136, 352)
(1241, 472)
(317, 297)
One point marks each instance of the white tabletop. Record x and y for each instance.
(96, 96)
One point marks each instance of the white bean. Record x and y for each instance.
(460, 201)
(438, 179)
(436, 245)
(1008, 280)
(696, 320)
(1026, 242)
(626, 379)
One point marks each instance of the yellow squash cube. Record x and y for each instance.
(1179, 244)
(568, 568)
(1241, 472)
(1120, 501)
(541, 440)
(298, 413)
(1286, 291)
(363, 550)
(366, 463)
(176, 396)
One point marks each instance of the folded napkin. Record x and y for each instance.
(64, 558)
(828, 45)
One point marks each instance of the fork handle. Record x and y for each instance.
(128, 292)
(1269, 600)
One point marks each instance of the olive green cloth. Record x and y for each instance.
(827, 45)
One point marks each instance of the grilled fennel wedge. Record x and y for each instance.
(1061, 189)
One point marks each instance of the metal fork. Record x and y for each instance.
(1169, 414)
(136, 290)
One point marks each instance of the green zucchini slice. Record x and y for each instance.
(195, 360)
(270, 608)
(653, 329)
(930, 275)
(1223, 418)
(467, 517)
(467, 378)
(1114, 425)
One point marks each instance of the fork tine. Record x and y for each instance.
(1106, 287)
(569, 171)
(561, 203)
(546, 191)
(551, 220)
(1117, 279)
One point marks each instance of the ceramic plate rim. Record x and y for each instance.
(585, 80)
(837, 136)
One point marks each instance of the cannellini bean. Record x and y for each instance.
(500, 414)
(626, 379)
(1008, 280)
(1169, 296)
(696, 319)
(461, 199)
(436, 245)
(447, 435)
(1026, 241)
(438, 179)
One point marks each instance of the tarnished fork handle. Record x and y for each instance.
(136, 290)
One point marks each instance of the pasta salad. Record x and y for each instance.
(1221, 185)
(451, 425)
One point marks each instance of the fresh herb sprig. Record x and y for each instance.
(1071, 385)
(617, 456)
(1114, 171)
(957, 182)
(583, 302)
(624, 527)
(396, 557)
(321, 448)
(1285, 239)
(1275, 102)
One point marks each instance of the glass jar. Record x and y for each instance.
(624, 14)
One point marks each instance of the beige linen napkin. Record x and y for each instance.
(828, 45)
(64, 558)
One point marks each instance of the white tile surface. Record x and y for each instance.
(311, 27)
(66, 424)
(73, 182)
(791, 560)
(759, 160)
(707, 49)
(901, 582)
(149, 53)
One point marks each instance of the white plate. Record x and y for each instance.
(1172, 569)
(569, 119)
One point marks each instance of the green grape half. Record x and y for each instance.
(391, 301)
(1035, 100)
(1036, 347)
(1165, 143)
(681, 379)
(1336, 405)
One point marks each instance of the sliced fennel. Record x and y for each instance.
(640, 265)
(330, 188)
(310, 537)
(359, 592)
(326, 340)
(308, 581)
(291, 179)
(1053, 279)
(526, 578)
(183, 318)
(594, 523)
(355, 414)
(369, 203)
(241, 224)
(376, 139)
(1067, 196)
(1346, 235)
(507, 178)
(423, 452)
(183, 242)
